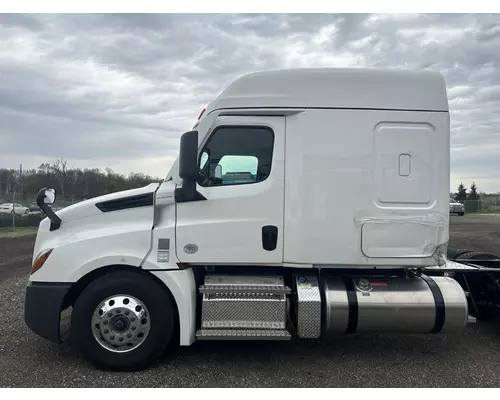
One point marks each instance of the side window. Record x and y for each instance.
(236, 155)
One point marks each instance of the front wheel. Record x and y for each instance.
(123, 321)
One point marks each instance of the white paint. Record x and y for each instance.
(87, 208)
(338, 190)
(404, 167)
(164, 227)
(183, 288)
(227, 227)
(342, 173)
(413, 139)
(86, 243)
(336, 88)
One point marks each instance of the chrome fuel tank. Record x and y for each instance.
(393, 304)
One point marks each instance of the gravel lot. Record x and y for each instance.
(461, 360)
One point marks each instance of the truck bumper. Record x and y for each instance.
(43, 306)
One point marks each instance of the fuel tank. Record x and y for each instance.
(392, 304)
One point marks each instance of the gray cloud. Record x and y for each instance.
(118, 90)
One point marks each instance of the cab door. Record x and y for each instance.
(241, 175)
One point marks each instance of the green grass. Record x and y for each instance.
(18, 232)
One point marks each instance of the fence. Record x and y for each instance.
(485, 206)
(30, 220)
(27, 220)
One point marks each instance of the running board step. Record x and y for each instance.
(244, 289)
(225, 284)
(242, 334)
(243, 303)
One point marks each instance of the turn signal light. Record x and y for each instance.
(40, 260)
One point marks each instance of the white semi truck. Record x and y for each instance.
(307, 203)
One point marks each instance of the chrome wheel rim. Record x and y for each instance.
(121, 323)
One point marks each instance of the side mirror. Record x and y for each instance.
(50, 196)
(188, 157)
(188, 168)
(43, 198)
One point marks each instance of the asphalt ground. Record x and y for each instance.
(469, 359)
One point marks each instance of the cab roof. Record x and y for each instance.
(350, 88)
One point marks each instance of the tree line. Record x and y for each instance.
(70, 183)
(461, 195)
(475, 201)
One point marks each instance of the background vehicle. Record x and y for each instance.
(14, 208)
(456, 207)
(286, 253)
(34, 208)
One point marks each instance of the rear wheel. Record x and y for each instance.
(453, 253)
(123, 321)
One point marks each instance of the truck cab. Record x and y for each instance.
(303, 202)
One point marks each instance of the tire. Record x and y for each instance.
(453, 253)
(476, 255)
(484, 312)
(461, 214)
(161, 314)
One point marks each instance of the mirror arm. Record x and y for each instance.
(187, 192)
(55, 221)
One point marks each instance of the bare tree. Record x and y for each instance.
(60, 171)
(70, 183)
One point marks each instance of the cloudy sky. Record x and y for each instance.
(118, 90)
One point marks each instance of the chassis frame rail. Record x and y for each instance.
(479, 275)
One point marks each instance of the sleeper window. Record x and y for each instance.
(236, 155)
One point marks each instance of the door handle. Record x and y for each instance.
(269, 237)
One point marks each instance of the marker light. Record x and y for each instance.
(40, 260)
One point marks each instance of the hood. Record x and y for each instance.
(89, 207)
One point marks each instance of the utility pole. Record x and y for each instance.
(21, 179)
(14, 207)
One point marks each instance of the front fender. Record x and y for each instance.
(80, 246)
(68, 263)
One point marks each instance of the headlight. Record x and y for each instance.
(40, 260)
